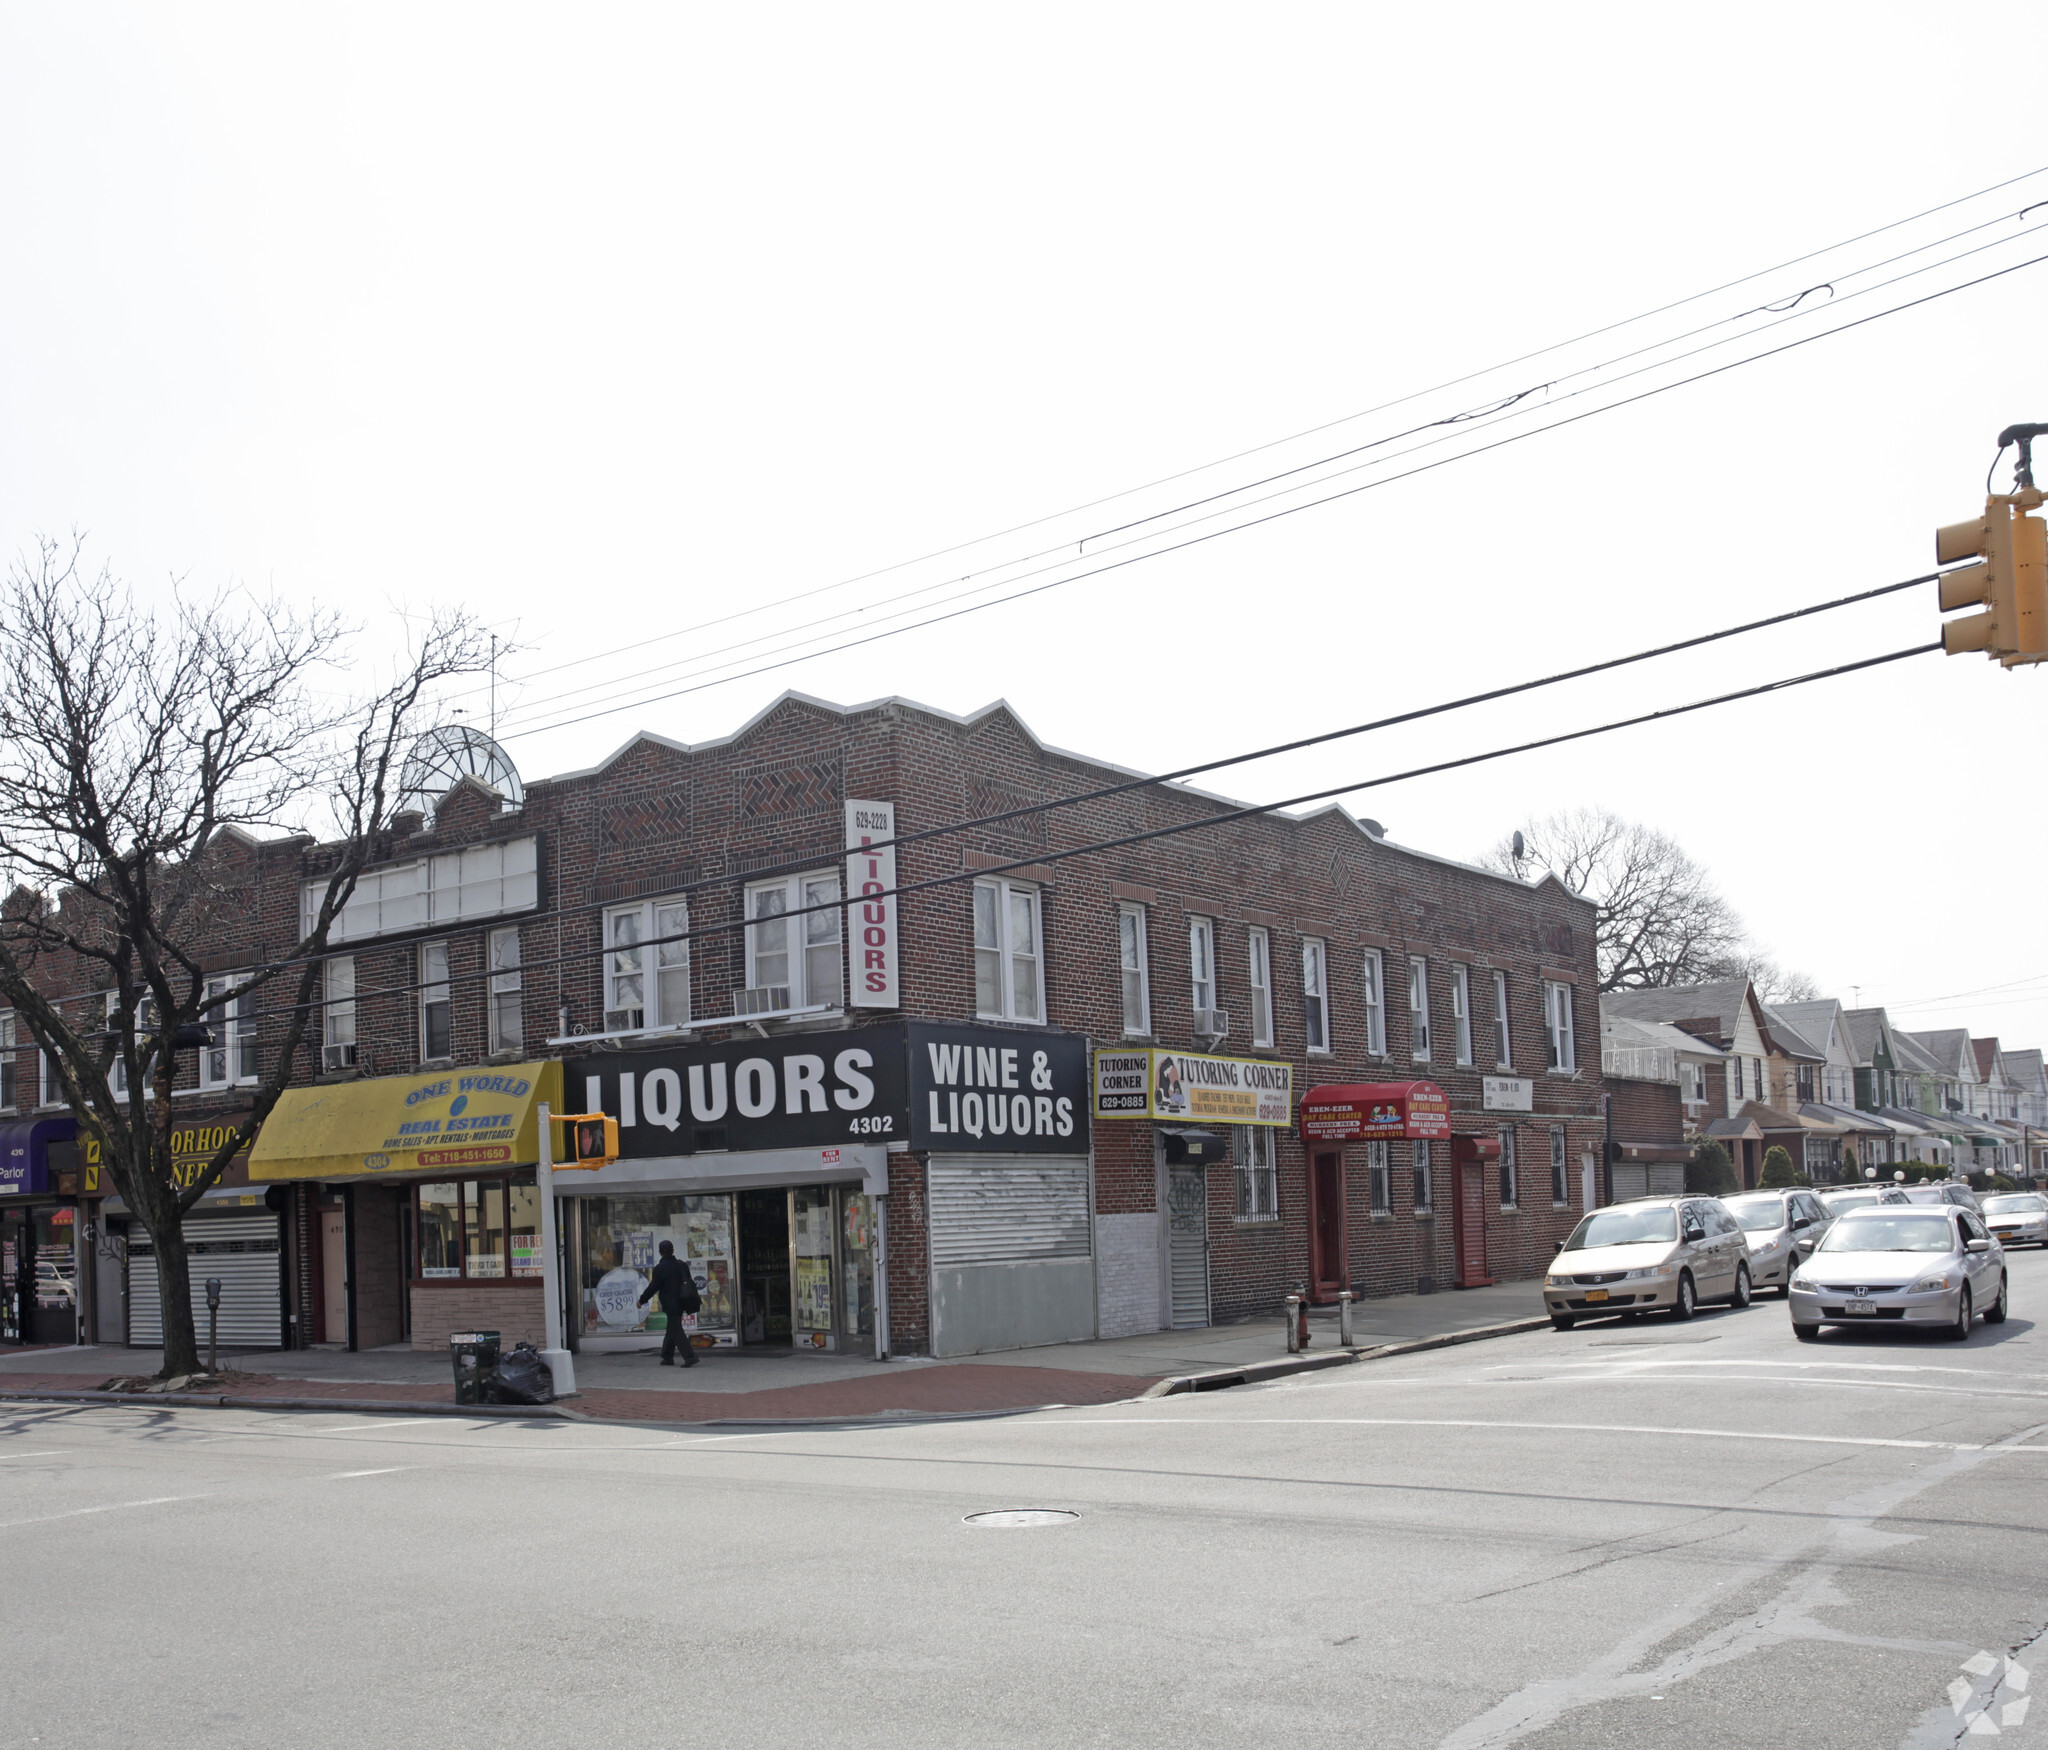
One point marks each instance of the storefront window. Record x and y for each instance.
(811, 1249)
(622, 1239)
(481, 1230)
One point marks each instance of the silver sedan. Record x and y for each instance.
(1933, 1267)
(2018, 1218)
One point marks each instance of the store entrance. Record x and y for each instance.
(39, 1261)
(764, 1268)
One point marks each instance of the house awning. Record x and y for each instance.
(457, 1122)
(1361, 1111)
(25, 1153)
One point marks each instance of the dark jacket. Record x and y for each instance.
(668, 1284)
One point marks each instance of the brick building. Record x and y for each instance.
(1053, 1096)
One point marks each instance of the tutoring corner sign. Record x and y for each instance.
(1194, 1087)
(870, 875)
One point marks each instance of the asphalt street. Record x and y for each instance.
(1701, 1534)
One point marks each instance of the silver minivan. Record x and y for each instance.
(1649, 1254)
(1782, 1228)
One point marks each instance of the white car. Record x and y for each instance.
(1928, 1265)
(2017, 1218)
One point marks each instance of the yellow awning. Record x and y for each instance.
(458, 1121)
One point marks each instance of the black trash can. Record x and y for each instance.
(475, 1355)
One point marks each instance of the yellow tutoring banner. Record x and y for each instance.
(458, 1121)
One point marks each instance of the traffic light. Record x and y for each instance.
(2011, 579)
(593, 1141)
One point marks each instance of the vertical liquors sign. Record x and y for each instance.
(871, 908)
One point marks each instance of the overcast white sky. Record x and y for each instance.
(612, 322)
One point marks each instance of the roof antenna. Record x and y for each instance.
(1519, 850)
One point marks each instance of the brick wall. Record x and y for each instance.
(910, 1327)
(514, 1310)
(1646, 1111)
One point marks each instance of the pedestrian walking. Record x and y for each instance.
(676, 1288)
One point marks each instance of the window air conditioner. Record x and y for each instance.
(624, 1020)
(337, 1057)
(1212, 1023)
(762, 999)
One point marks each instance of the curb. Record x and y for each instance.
(372, 1406)
(1257, 1371)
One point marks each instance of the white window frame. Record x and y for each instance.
(49, 1090)
(230, 1062)
(1379, 1174)
(1202, 963)
(10, 1049)
(1461, 1015)
(1560, 1168)
(1257, 1156)
(628, 929)
(1009, 985)
(507, 988)
(1423, 1167)
(1373, 973)
(806, 934)
(1315, 995)
(1134, 969)
(337, 1002)
(1418, 1008)
(1259, 972)
(117, 1070)
(1510, 1169)
(1559, 1028)
(1503, 1027)
(435, 993)
(459, 886)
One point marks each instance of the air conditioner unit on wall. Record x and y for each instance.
(761, 999)
(1212, 1023)
(337, 1057)
(624, 1020)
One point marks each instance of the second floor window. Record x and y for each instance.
(800, 951)
(338, 1013)
(1557, 1015)
(437, 1012)
(1418, 1008)
(646, 979)
(1315, 994)
(1259, 970)
(145, 1025)
(1461, 1012)
(10, 1070)
(1202, 963)
(231, 1058)
(1009, 961)
(1130, 951)
(1503, 1040)
(508, 1029)
(1375, 977)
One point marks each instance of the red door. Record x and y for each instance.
(1472, 1225)
(1327, 1262)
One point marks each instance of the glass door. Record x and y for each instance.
(856, 1230)
(811, 1259)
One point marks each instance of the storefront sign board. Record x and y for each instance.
(997, 1090)
(871, 905)
(453, 1121)
(1369, 1111)
(1194, 1087)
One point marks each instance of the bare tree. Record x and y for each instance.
(1660, 920)
(1774, 983)
(140, 756)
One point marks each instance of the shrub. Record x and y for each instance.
(1709, 1171)
(1779, 1170)
(1999, 1182)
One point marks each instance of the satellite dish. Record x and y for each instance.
(443, 757)
(1521, 850)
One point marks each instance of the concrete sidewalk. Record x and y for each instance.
(785, 1385)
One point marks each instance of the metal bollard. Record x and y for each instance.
(1294, 1315)
(1344, 1301)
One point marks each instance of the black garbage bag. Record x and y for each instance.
(522, 1378)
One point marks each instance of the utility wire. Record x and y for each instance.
(1274, 516)
(1040, 859)
(1328, 425)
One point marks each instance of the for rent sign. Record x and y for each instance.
(1193, 1086)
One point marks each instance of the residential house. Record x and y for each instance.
(1727, 1014)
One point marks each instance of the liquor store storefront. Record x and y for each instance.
(767, 1164)
(418, 1197)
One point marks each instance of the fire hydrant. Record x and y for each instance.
(1297, 1323)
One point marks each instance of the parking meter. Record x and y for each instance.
(212, 1324)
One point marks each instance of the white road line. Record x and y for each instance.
(1809, 1384)
(1790, 1366)
(1530, 1427)
(56, 1452)
(110, 1507)
(390, 1470)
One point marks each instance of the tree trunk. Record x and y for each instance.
(174, 1285)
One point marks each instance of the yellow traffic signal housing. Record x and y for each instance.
(593, 1141)
(2011, 582)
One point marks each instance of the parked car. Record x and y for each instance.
(1650, 1253)
(2017, 1218)
(1860, 1197)
(1934, 1266)
(1782, 1228)
(1944, 1191)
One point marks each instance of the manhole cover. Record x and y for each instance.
(1007, 1517)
